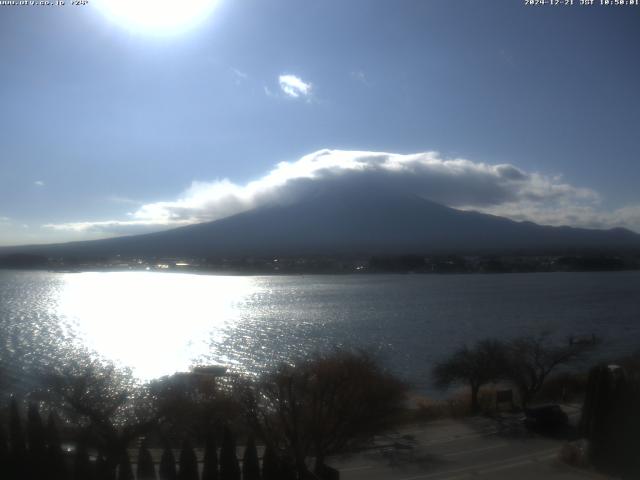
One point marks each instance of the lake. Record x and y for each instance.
(159, 323)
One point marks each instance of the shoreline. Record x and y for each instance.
(251, 273)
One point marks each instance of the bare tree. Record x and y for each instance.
(323, 406)
(532, 358)
(104, 401)
(476, 366)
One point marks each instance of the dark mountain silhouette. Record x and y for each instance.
(349, 223)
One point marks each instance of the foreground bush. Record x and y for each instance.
(326, 405)
(611, 420)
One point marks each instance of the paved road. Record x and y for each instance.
(475, 448)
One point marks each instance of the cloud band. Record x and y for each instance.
(498, 189)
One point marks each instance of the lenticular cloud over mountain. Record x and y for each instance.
(502, 189)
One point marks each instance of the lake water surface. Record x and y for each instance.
(158, 323)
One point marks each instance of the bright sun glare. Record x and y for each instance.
(156, 16)
(154, 323)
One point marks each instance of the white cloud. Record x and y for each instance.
(498, 189)
(238, 75)
(114, 227)
(121, 199)
(360, 76)
(294, 86)
(574, 213)
(39, 183)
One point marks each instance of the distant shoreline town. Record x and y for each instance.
(249, 265)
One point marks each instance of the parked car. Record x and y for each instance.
(546, 417)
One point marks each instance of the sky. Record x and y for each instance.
(127, 117)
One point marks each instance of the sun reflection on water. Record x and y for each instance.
(155, 324)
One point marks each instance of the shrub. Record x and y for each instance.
(229, 468)
(250, 463)
(210, 468)
(81, 464)
(146, 470)
(270, 467)
(168, 465)
(37, 442)
(56, 465)
(188, 463)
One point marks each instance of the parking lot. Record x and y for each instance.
(478, 447)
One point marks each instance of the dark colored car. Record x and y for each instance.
(546, 417)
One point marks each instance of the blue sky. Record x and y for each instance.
(111, 129)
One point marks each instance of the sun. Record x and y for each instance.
(156, 16)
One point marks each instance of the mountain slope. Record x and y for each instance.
(349, 223)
